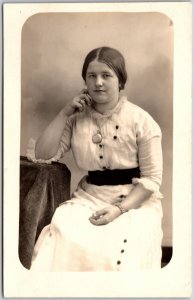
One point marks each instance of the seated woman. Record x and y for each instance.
(113, 220)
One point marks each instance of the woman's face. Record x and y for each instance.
(102, 84)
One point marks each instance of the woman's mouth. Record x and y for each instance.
(99, 91)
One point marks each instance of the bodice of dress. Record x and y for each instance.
(118, 148)
(130, 138)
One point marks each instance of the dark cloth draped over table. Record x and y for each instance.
(42, 188)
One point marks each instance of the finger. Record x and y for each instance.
(82, 101)
(94, 216)
(99, 221)
(83, 104)
(84, 91)
(78, 105)
(93, 221)
(76, 101)
(100, 213)
(86, 98)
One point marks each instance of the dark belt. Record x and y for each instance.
(113, 177)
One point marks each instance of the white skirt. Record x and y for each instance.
(72, 243)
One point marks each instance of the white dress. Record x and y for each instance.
(130, 138)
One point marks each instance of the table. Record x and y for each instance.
(42, 188)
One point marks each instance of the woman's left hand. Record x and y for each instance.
(105, 216)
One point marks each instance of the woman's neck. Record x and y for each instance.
(103, 108)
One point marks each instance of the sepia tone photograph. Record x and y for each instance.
(95, 163)
(113, 111)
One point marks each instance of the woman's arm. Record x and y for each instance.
(150, 160)
(48, 142)
(137, 196)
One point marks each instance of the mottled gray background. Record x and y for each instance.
(54, 46)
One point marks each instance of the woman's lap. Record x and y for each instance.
(130, 241)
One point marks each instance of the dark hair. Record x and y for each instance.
(112, 58)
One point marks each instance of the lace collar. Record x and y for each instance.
(97, 115)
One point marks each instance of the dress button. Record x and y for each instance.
(101, 157)
(100, 145)
(118, 262)
(114, 137)
(125, 241)
(117, 126)
(122, 251)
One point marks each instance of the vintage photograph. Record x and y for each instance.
(100, 85)
(96, 144)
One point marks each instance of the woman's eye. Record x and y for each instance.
(106, 75)
(91, 75)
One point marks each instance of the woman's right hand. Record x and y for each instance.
(77, 104)
(48, 143)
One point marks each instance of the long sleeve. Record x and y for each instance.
(149, 154)
(64, 146)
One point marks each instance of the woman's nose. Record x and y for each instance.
(99, 81)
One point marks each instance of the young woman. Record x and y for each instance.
(113, 220)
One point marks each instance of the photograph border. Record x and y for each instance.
(175, 279)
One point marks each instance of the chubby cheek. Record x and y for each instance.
(90, 92)
(89, 86)
(114, 89)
